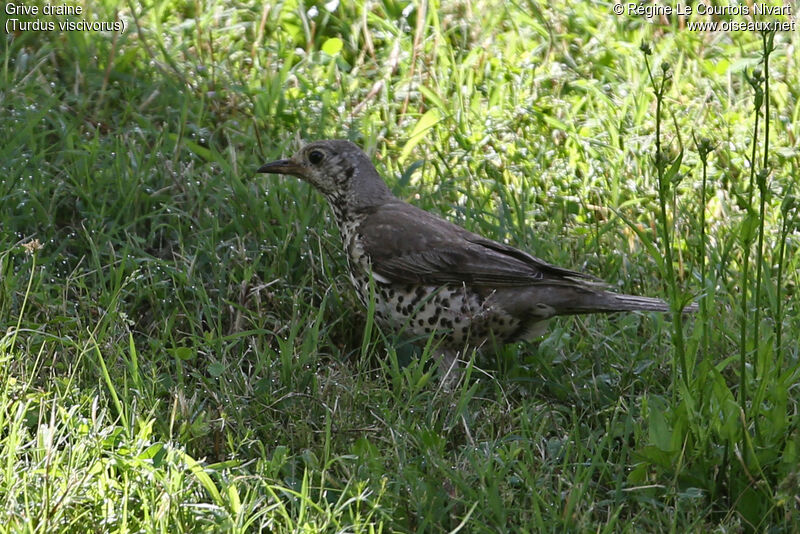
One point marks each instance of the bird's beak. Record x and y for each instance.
(281, 166)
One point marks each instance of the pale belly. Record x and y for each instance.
(454, 315)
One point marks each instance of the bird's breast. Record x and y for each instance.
(358, 263)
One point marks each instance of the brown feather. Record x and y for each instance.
(409, 245)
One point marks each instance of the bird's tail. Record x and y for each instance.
(608, 302)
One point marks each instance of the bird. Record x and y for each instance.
(430, 278)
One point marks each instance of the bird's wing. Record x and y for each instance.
(408, 245)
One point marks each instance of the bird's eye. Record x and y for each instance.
(315, 157)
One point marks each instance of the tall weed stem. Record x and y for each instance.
(665, 177)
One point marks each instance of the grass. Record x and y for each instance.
(181, 350)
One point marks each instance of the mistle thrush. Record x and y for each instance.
(432, 277)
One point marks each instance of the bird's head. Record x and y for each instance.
(338, 169)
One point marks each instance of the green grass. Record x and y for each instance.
(184, 352)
